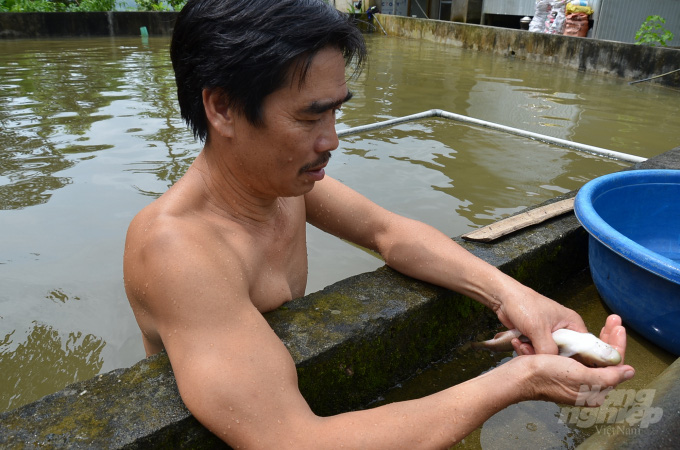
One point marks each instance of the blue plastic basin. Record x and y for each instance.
(633, 218)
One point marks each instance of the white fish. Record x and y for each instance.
(583, 347)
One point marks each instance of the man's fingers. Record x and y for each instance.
(617, 339)
(522, 348)
(543, 342)
(578, 324)
(614, 334)
(613, 375)
(612, 322)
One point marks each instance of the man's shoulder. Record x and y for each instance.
(156, 221)
(165, 246)
(163, 230)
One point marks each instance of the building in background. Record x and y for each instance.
(613, 20)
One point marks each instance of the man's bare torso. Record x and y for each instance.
(268, 253)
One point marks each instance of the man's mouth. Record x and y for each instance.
(319, 164)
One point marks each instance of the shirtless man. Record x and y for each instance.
(259, 82)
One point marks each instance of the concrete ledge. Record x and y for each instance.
(629, 61)
(351, 342)
(85, 24)
(125, 408)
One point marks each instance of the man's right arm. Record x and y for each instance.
(238, 379)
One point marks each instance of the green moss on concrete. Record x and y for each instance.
(122, 408)
(526, 270)
(393, 327)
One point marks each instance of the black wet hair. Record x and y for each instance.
(247, 49)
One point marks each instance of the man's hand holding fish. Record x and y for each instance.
(566, 380)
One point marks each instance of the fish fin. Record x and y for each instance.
(477, 345)
(501, 342)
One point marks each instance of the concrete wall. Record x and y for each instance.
(629, 61)
(86, 24)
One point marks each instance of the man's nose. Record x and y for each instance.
(328, 139)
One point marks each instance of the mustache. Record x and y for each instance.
(320, 161)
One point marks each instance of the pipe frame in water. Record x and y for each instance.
(438, 113)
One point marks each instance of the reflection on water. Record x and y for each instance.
(56, 93)
(23, 363)
(91, 133)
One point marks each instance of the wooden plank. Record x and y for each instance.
(514, 223)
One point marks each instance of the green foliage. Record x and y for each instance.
(56, 5)
(151, 5)
(177, 5)
(351, 9)
(159, 5)
(85, 5)
(29, 6)
(92, 5)
(652, 32)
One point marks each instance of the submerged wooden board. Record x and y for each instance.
(514, 223)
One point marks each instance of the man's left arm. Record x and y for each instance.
(421, 251)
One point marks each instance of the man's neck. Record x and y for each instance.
(229, 195)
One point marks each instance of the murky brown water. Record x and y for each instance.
(91, 134)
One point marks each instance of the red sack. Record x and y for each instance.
(576, 25)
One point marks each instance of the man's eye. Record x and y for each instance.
(320, 117)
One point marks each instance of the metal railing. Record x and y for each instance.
(438, 113)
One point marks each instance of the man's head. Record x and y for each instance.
(247, 49)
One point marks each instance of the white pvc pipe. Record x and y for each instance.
(386, 123)
(381, 27)
(495, 126)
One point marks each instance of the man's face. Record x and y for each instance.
(286, 155)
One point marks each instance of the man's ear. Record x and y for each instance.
(220, 116)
